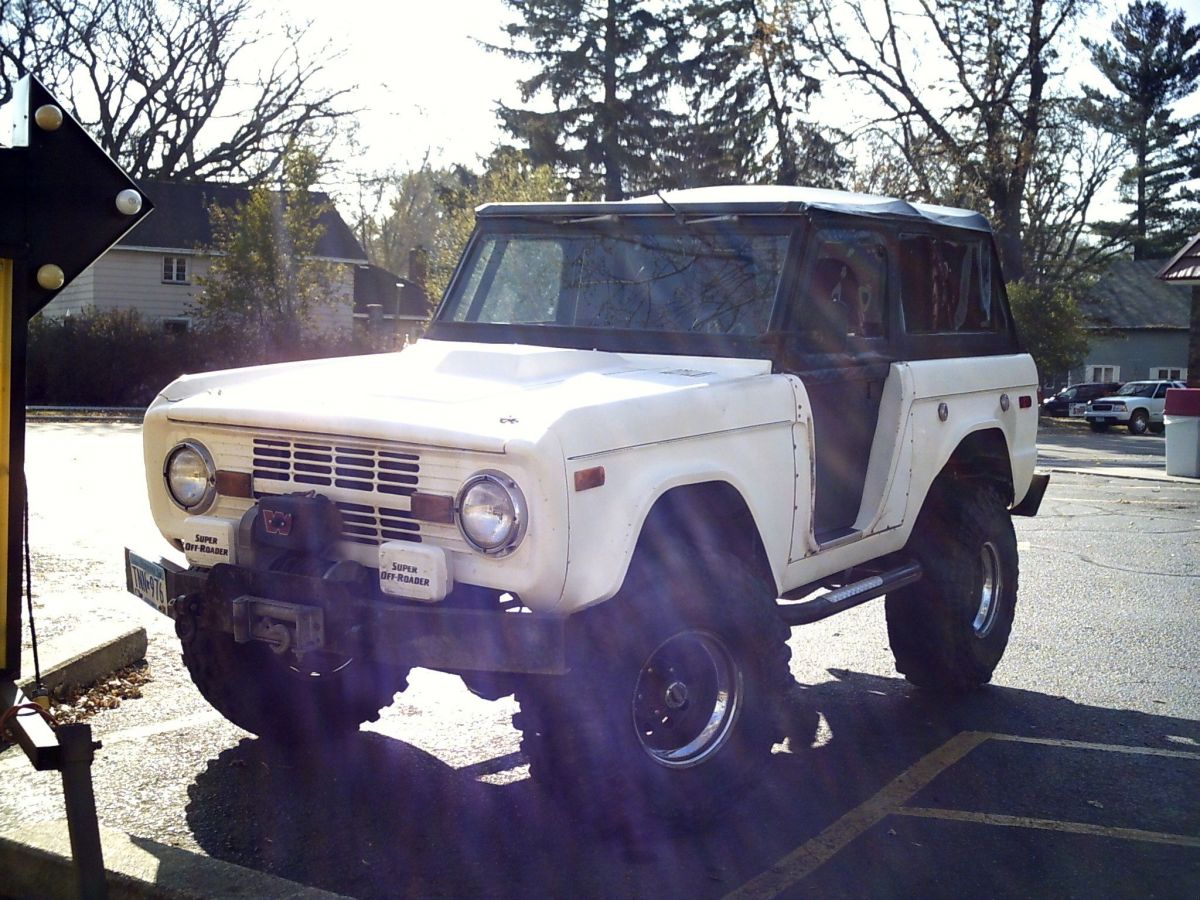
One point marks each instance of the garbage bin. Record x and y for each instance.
(1182, 418)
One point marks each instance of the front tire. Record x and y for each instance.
(674, 699)
(275, 697)
(949, 631)
(1139, 422)
(1098, 426)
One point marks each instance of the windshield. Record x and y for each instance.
(1138, 389)
(648, 275)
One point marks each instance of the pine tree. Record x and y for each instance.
(751, 75)
(1152, 63)
(607, 70)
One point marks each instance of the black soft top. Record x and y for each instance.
(751, 200)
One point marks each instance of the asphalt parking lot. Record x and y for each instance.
(1073, 775)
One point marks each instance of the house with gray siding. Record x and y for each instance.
(156, 269)
(1137, 325)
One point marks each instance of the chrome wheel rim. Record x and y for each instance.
(991, 584)
(687, 698)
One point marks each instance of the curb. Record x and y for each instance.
(84, 414)
(36, 862)
(1129, 473)
(84, 657)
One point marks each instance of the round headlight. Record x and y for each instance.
(491, 512)
(191, 477)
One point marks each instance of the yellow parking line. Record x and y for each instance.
(805, 859)
(1126, 834)
(1107, 748)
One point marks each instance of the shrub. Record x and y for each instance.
(118, 358)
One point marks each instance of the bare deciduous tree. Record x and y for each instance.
(1072, 168)
(159, 83)
(962, 83)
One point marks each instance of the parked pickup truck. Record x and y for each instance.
(1138, 405)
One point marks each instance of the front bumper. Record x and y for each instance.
(1112, 418)
(320, 614)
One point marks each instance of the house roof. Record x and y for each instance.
(1184, 267)
(180, 219)
(1129, 296)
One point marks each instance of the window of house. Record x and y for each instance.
(175, 270)
(176, 324)
(948, 286)
(1168, 373)
(1103, 373)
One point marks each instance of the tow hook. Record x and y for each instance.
(277, 635)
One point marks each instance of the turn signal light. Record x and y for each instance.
(432, 508)
(234, 484)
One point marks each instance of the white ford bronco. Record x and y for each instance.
(639, 442)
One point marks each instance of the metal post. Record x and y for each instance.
(78, 751)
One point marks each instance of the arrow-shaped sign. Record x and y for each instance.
(64, 201)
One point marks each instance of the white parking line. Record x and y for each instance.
(1085, 745)
(1126, 834)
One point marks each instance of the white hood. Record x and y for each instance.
(458, 395)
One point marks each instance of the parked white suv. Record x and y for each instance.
(630, 430)
(1138, 405)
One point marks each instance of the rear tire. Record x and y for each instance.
(674, 699)
(272, 697)
(949, 630)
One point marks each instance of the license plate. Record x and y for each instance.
(1078, 409)
(147, 580)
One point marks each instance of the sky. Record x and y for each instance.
(425, 85)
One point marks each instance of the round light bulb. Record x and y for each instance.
(129, 202)
(50, 277)
(48, 117)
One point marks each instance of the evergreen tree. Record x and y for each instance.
(607, 70)
(1152, 63)
(751, 76)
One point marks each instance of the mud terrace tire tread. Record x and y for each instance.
(253, 688)
(930, 623)
(577, 729)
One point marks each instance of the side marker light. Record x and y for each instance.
(586, 479)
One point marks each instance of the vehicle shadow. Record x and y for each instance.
(376, 817)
